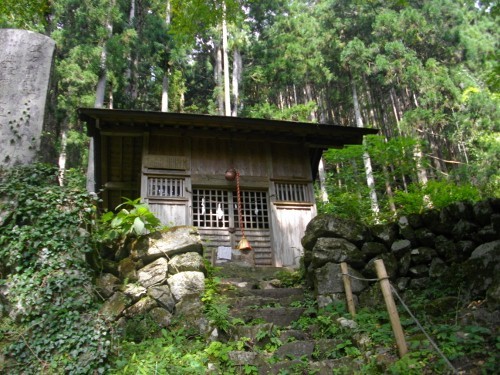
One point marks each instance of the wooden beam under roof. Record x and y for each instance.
(317, 135)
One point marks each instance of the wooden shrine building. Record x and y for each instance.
(178, 162)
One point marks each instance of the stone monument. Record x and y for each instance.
(25, 72)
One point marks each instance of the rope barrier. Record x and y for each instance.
(358, 278)
(432, 342)
(238, 194)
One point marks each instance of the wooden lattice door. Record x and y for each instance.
(215, 213)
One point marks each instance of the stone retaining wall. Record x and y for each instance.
(460, 244)
(157, 277)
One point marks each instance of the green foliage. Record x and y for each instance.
(394, 165)
(216, 309)
(412, 363)
(44, 241)
(219, 352)
(133, 219)
(24, 14)
(174, 352)
(290, 278)
(346, 349)
(298, 112)
(270, 337)
(348, 205)
(140, 327)
(436, 194)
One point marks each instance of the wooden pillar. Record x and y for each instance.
(391, 307)
(348, 289)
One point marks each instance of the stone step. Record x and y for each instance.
(279, 316)
(270, 293)
(296, 366)
(264, 297)
(294, 358)
(255, 302)
(234, 270)
(278, 292)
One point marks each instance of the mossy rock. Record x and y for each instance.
(441, 306)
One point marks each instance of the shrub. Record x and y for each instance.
(436, 194)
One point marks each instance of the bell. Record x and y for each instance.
(244, 245)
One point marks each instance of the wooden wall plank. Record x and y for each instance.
(288, 226)
(290, 162)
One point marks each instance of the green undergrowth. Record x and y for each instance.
(359, 349)
(49, 323)
(173, 352)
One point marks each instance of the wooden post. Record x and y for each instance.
(347, 288)
(391, 307)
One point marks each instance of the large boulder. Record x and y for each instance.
(457, 211)
(400, 248)
(418, 271)
(464, 230)
(107, 284)
(425, 237)
(465, 248)
(242, 358)
(390, 263)
(134, 291)
(439, 222)
(186, 283)
(422, 255)
(447, 249)
(415, 221)
(404, 264)
(488, 254)
(114, 307)
(437, 268)
(153, 274)
(406, 231)
(328, 280)
(493, 293)
(127, 269)
(295, 349)
(331, 226)
(141, 307)
(163, 295)
(482, 212)
(186, 262)
(161, 316)
(371, 296)
(167, 243)
(489, 232)
(371, 249)
(190, 311)
(336, 250)
(385, 232)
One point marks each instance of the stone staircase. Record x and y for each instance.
(265, 316)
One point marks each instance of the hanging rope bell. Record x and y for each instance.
(243, 245)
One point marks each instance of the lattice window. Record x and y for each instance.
(292, 192)
(255, 213)
(165, 187)
(211, 208)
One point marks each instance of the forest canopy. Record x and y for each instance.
(423, 72)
